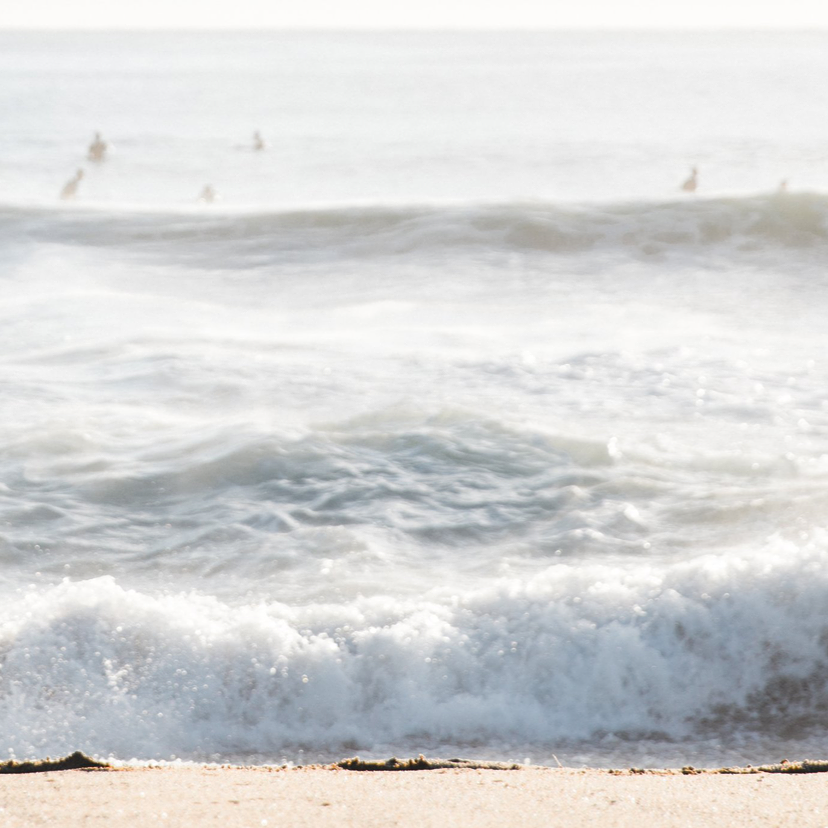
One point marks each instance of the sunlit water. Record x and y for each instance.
(453, 427)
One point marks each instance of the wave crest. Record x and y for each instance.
(746, 224)
(574, 653)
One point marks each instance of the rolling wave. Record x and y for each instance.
(746, 224)
(711, 645)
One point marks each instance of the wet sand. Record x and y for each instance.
(253, 797)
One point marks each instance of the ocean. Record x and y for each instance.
(453, 425)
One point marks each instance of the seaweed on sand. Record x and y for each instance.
(77, 761)
(420, 763)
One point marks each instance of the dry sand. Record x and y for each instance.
(543, 797)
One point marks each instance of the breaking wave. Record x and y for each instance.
(577, 652)
(747, 224)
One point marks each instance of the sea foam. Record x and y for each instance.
(732, 643)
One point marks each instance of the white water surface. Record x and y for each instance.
(453, 427)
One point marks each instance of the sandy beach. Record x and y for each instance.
(320, 796)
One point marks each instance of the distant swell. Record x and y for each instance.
(745, 224)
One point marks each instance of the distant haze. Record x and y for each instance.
(373, 14)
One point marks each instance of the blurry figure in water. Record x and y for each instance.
(208, 195)
(783, 185)
(97, 149)
(690, 185)
(70, 189)
(258, 141)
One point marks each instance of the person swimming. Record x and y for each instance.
(97, 149)
(690, 185)
(208, 195)
(70, 189)
(258, 141)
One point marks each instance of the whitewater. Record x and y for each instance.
(452, 427)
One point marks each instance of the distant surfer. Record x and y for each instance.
(208, 195)
(97, 149)
(258, 141)
(692, 183)
(783, 185)
(70, 189)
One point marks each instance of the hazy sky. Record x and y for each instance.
(417, 14)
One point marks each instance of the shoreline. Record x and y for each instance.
(443, 793)
(81, 761)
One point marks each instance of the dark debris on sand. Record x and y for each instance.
(805, 766)
(420, 763)
(77, 761)
(80, 761)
